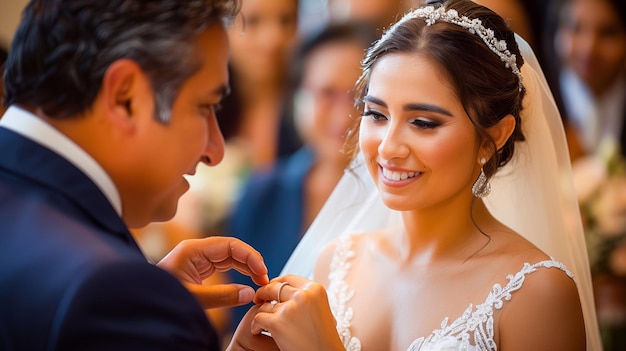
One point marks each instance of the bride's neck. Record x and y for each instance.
(430, 236)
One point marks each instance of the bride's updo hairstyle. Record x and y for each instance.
(488, 88)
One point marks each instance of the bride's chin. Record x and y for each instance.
(397, 204)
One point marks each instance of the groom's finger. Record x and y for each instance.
(228, 252)
(197, 259)
(221, 295)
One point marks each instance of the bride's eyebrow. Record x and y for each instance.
(411, 107)
(428, 108)
(374, 100)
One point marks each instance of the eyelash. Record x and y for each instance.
(419, 123)
(374, 116)
(425, 124)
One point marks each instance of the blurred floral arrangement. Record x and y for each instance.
(600, 182)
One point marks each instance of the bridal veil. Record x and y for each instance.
(533, 194)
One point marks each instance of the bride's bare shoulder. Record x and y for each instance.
(545, 314)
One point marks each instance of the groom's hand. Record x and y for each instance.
(221, 295)
(194, 260)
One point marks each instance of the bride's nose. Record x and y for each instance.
(393, 143)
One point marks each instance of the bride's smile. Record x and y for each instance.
(395, 176)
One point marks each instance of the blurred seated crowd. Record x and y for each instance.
(293, 65)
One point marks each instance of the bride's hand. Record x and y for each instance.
(244, 340)
(300, 318)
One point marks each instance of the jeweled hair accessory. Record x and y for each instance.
(474, 26)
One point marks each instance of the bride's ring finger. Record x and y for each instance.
(268, 306)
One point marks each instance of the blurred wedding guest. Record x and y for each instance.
(379, 13)
(515, 13)
(588, 39)
(262, 40)
(3, 58)
(278, 205)
(589, 70)
(111, 104)
(382, 13)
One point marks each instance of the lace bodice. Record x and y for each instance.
(473, 330)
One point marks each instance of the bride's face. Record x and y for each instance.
(419, 144)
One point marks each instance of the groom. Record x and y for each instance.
(111, 103)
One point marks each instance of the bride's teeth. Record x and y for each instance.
(398, 175)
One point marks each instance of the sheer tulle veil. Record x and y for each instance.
(533, 194)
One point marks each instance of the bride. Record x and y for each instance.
(456, 227)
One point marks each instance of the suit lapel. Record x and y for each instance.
(29, 160)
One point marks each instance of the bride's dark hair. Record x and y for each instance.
(488, 90)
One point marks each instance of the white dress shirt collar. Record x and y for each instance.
(34, 128)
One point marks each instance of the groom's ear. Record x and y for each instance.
(502, 131)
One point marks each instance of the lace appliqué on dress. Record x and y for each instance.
(339, 293)
(472, 331)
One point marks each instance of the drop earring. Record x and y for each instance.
(481, 187)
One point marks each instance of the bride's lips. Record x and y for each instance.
(397, 177)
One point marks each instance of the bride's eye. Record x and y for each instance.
(425, 124)
(374, 115)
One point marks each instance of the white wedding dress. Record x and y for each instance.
(472, 331)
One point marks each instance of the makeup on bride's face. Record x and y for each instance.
(419, 143)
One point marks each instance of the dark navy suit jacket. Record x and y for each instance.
(71, 275)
